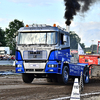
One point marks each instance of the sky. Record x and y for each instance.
(86, 25)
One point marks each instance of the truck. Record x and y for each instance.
(43, 51)
(4, 50)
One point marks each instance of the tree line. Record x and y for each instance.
(7, 38)
(74, 40)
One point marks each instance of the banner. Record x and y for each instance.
(80, 50)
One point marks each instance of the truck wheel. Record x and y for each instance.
(27, 78)
(65, 76)
(49, 80)
(54, 80)
(86, 75)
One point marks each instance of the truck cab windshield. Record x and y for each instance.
(37, 38)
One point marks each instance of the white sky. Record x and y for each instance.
(86, 25)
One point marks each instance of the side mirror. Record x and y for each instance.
(72, 55)
(64, 38)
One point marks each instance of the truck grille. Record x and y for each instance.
(34, 70)
(35, 55)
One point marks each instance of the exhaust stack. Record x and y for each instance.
(68, 28)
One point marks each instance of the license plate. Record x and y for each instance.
(34, 65)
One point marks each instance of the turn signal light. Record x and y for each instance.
(27, 26)
(54, 25)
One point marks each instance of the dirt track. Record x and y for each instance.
(7, 67)
(13, 88)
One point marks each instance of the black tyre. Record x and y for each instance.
(54, 80)
(49, 80)
(65, 75)
(27, 78)
(86, 75)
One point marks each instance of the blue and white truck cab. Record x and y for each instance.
(43, 51)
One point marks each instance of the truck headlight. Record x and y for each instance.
(19, 65)
(19, 70)
(51, 65)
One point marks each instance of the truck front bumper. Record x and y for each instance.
(49, 67)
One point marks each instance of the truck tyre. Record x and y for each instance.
(27, 78)
(65, 75)
(49, 80)
(86, 75)
(54, 80)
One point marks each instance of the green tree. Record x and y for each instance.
(2, 38)
(74, 40)
(10, 38)
(93, 48)
(82, 45)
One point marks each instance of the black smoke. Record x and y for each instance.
(74, 6)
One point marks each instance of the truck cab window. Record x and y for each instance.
(61, 39)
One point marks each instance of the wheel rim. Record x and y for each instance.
(86, 77)
(65, 75)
